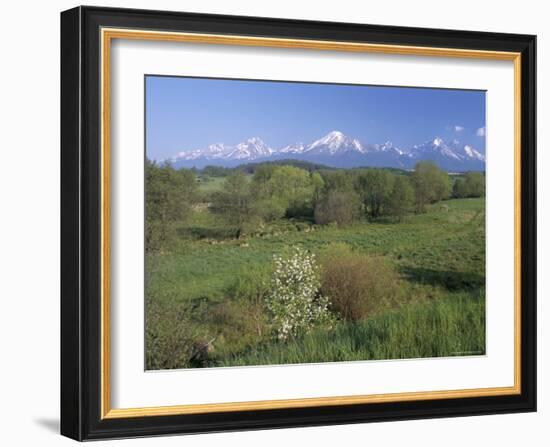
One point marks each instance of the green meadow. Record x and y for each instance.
(420, 280)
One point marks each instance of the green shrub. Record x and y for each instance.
(169, 336)
(158, 235)
(357, 286)
(243, 318)
(238, 325)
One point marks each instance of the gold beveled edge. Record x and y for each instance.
(306, 402)
(517, 221)
(105, 225)
(111, 33)
(327, 45)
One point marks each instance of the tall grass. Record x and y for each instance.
(445, 327)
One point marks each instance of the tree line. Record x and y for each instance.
(324, 196)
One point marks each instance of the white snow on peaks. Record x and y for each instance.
(472, 153)
(357, 145)
(450, 153)
(438, 141)
(388, 146)
(335, 142)
(339, 149)
(296, 148)
(252, 148)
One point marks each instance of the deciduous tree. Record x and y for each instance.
(169, 197)
(430, 183)
(235, 202)
(337, 207)
(401, 198)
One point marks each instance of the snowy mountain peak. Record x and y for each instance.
(332, 139)
(296, 148)
(388, 145)
(447, 154)
(256, 141)
(438, 142)
(338, 150)
(334, 135)
(250, 149)
(216, 148)
(334, 142)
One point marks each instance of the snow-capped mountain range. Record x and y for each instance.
(337, 150)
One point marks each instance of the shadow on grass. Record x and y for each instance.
(206, 233)
(451, 280)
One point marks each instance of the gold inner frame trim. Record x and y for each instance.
(107, 35)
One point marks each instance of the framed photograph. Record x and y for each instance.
(276, 223)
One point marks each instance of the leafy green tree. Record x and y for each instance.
(459, 188)
(235, 202)
(169, 196)
(375, 187)
(341, 207)
(269, 210)
(318, 184)
(290, 184)
(475, 184)
(337, 181)
(401, 198)
(216, 171)
(275, 187)
(471, 185)
(260, 180)
(430, 183)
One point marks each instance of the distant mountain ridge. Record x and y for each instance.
(337, 150)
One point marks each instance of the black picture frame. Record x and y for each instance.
(81, 224)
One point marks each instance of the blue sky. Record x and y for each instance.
(190, 113)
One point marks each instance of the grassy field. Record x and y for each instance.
(440, 256)
(411, 332)
(209, 184)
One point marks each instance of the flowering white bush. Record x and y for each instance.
(294, 299)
